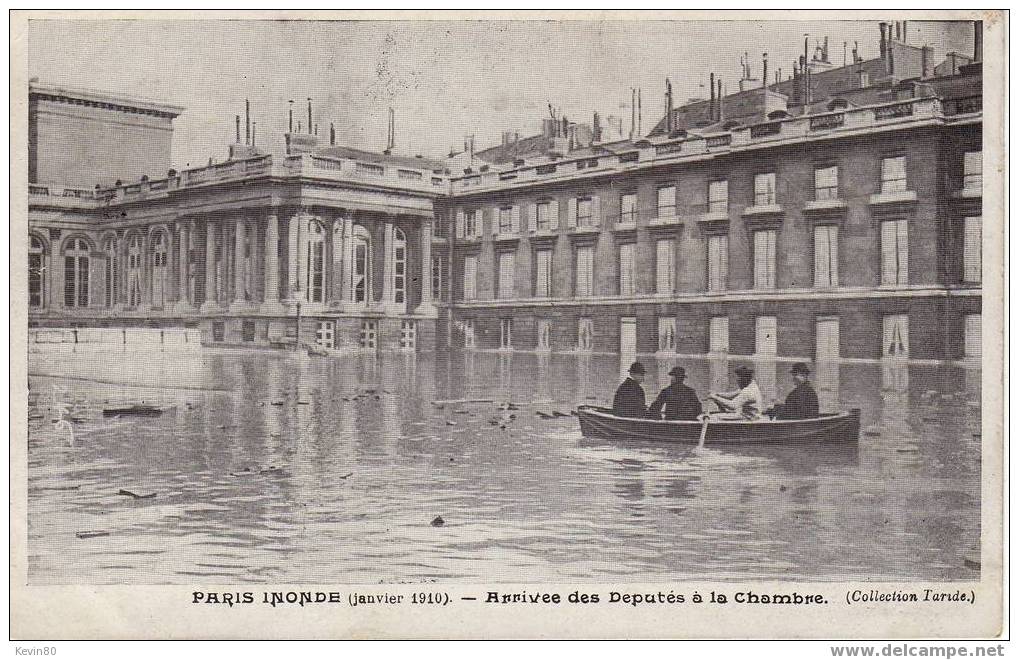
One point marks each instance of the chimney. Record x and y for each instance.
(309, 115)
(247, 122)
(596, 127)
(633, 112)
(898, 31)
(668, 105)
(639, 129)
(883, 44)
(978, 41)
(332, 134)
(254, 124)
(721, 103)
(711, 103)
(237, 123)
(290, 125)
(824, 51)
(905, 35)
(925, 61)
(764, 75)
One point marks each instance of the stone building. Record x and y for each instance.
(834, 214)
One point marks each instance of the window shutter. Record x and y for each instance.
(833, 255)
(532, 218)
(515, 215)
(595, 211)
(571, 213)
(888, 252)
(903, 247)
(723, 270)
(555, 214)
(821, 250)
(460, 224)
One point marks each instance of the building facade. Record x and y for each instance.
(836, 215)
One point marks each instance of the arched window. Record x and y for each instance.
(316, 261)
(36, 272)
(134, 271)
(111, 271)
(160, 271)
(399, 267)
(360, 269)
(76, 273)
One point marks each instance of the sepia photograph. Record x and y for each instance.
(347, 302)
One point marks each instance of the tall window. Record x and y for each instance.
(506, 333)
(544, 216)
(246, 265)
(507, 261)
(827, 338)
(718, 334)
(473, 223)
(628, 209)
(506, 220)
(36, 272)
(826, 183)
(438, 277)
(134, 271)
(468, 330)
(893, 174)
(718, 197)
(894, 252)
(972, 170)
(972, 336)
(585, 334)
(76, 273)
(826, 256)
(470, 277)
(585, 271)
(667, 202)
(627, 272)
(160, 271)
(585, 212)
(972, 261)
(718, 263)
(360, 269)
(316, 262)
(764, 258)
(764, 189)
(544, 334)
(110, 271)
(766, 341)
(896, 336)
(665, 266)
(399, 267)
(667, 334)
(543, 274)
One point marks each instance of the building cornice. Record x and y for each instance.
(104, 100)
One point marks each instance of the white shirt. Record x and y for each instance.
(748, 396)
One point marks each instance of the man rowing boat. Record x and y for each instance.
(744, 403)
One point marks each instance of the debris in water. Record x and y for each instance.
(450, 422)
(972, 562)
(438, 521)
(557, 413)
(591, 398)
(304, 403)
(141, 410)
(783, 488)
(277, 402)
(246, 472)
(872, 431)
(91, 533)
(907, 450)
(349, 474)
(272, 469)
(137, 496)
(544, 415)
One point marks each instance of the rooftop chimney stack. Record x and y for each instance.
(247, 121)
(596, 127)
(309, 115)
(883, 44)
(639, 129)
(254, 125)
(721, 103)
(668, 105)
(905, 35)
(332, 134)
(633, 112)
(711, 103)
(290, 125)
(237, 123)
(764, 75)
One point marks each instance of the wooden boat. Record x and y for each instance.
(597, 422)
(136, 410)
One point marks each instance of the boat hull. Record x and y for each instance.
(840, 427)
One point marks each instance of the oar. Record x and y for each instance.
(704, 432)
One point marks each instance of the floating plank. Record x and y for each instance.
(442, 402)
(91, 533)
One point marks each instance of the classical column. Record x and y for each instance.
(348, 259)
(387, 265)
(335, 240)
(301, 270)
(271, 295)
(184, 233)
(210, 267)
(426, 306)
(239, 284)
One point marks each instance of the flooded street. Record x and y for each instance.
(272, 468)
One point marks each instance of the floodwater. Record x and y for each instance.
(274, 468)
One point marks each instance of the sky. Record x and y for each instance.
(444, 79)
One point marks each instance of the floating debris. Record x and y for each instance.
(137, 496)
(278, 402)
(91, 533)
(304, 403)
(272, 469)
(139, 410)
(450, 422)
(783, 488)
(246, 472)
(907, 450)
(972, 562)
(437, 521)
(558, 413)
(872, 431)
(456, 401)
(544, 415)
(348, 475)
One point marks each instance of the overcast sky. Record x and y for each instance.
(444, 79)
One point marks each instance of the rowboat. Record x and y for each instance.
(597, 422)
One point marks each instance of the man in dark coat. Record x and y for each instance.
(679, 401)
(802, 401)
(629, 400)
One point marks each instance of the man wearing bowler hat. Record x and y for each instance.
(802, 401)
(680, 402)
(744, 403)
(629, 400)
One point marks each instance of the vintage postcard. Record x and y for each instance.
(439, 325)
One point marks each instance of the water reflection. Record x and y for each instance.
(276, 467)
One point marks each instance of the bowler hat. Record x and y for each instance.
(678, 372)
(801, 368)
(747, 371)
(637, 368)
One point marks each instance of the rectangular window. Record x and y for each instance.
(507, 261)
(667, 334)
(826, 256)
(544, 335)
(667, 202)
(894, 252)
(217, 331)
(544, 217)
(972, 260)
(893, 174)
(827, 339)
(766, 340)
(247, 331)
(718, 197)
(718, 263)
(473, 223)
(627, 274)
(764, 258)
(764, 189)
(585, 334)
(369, 334)
(896, 336)
(408, 335)
(506, 220)
(665, 266)
(470, 278)
(543, 274)
(718, 335)
(826, 183)
(506, 333)
(973, 338)
(585, 272)
(628, 209)
(325, 334)
(972, 170)
(468, 330)
(438, 277)
(585, 212)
